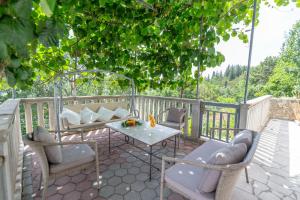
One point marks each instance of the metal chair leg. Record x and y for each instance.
(246, 173)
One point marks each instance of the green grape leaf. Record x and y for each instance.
(48, 6)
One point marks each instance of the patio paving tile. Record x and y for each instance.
(78, 178)
(122, 188)
(116, 197)
(121, 172)
(107, 191)
(74, 195)
(148, 194)
(55, 197)
(66, 188)
(138, 186)
(62, 181)
(132, 195)
(83, 185)
(129, 178)
(89, 194)
(114, 181)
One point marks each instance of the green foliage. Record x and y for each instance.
(156, 43)
(278, 76)
(155, 47)
(21, 25)
(281, 82)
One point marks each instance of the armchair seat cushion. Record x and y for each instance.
(73, 156)
(174, 125)
(187, 178)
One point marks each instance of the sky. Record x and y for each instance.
(269, 35)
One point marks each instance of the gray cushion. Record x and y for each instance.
(245, 137)
(73, 156)
(53, 153)
(174, 115)
(227, 155)
(187, 178)
(171, 125)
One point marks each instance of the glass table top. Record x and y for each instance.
(144, 132)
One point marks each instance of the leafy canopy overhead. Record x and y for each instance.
(154, 42)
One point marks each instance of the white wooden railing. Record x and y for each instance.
(255, 113)
(11, 151)
(156, 105)
(40, 111)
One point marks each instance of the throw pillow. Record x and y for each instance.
(244, 136)
(105, 114)
(53, 153)
(121, 113)
(88, 116)
(227, 155)
(71, 116)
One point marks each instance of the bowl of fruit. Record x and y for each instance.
(131, 122)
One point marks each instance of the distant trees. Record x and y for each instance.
(285, 78)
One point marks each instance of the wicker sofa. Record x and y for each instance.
(186, 175)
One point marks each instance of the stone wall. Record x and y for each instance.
(285, 108)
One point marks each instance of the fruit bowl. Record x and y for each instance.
(131, 122)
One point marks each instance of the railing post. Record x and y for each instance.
(202, 110)
(52, 116)
(195, 118)
(243, 115)
(40, 114)
(28, 117)
(11, 151)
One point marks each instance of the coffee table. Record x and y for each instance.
(145, 134)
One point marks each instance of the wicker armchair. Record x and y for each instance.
(179, 125)
(77, 156)
(188, 187)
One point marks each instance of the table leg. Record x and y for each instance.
(109, 140)
(150, 164)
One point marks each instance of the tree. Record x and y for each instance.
(281, 82)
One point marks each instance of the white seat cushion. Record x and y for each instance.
(186, 178)
(121, 113)
(245, 137)
(53, 153)
(73, 156)
(88, 116)
(105, 114)
(174, 125)
(71, 116)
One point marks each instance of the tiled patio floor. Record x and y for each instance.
(275, 170)
(274, 173)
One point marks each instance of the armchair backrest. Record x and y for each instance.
(229, 177)
(39, 150)
(176, 114)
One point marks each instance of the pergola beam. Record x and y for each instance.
(250, 52)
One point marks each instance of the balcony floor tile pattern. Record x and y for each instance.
(124, 177)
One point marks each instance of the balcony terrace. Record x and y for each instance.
(274, 172)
